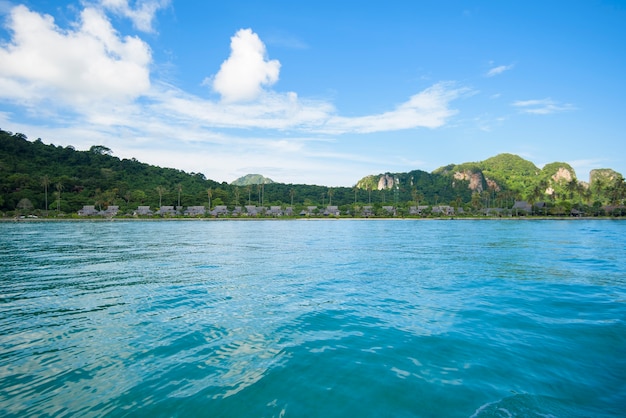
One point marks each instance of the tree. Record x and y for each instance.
(45, 182)
(180, 189)
(476, 203)
(237, 193)
(209, 193)
(617, 191)
(139, 196)
(161, 191)
(59, 187)
(25, 205)
(100, 150)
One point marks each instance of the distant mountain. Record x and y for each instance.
(50, 180)
(507, 174)
(251, 179)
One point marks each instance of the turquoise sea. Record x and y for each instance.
(324, 318)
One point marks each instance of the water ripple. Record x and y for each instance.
(379, 318)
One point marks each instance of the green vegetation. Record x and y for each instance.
(251, 179)
(47, 180)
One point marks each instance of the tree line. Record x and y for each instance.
(49, 180)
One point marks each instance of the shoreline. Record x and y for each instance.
(533, 218)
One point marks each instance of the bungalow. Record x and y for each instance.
(541, 207)
(332, 211)
(368, 211)
(390, 210)
(444, 210)
(522, 206)
(237, 211)
(309, 211)
(167, 210)
(275, 211)
(143, 211)
(252, 210)
(220, 210)
(88, 211)
(111, 211)
(195, 211)
(418, 210)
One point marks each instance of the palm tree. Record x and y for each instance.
(209, 193)
(161, 191)
(180, 189)
(59, 187)
(330, 197)
(45, 182)
(571, 187)
(237, 191)
(292, 193)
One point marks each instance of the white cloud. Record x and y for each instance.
(105, 79)
(90, 85)
(427, 109)
(542, 106)
(498, 70)
(142, 15)
(243, 75)
(87, 64)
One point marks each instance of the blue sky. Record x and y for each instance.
(320, 92)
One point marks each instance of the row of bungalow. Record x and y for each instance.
(519, 208)
(217, 211)
(252, 210)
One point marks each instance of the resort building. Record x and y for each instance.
(195, 211)
(167, 210)
(220, 210)
(143, 211)
(88, 211)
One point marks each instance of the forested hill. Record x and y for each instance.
(47, 179)
(32, 172)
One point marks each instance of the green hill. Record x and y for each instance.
(251, 179)
(47, 179)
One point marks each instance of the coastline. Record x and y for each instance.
(313, 219)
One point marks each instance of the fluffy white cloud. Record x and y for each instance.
(427, 109)
(142, 15)
(542, 106)
(103, 78)
(100, 74)
(243, 75)
(498, 70)
(87, 64)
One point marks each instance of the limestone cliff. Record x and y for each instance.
(477, 181)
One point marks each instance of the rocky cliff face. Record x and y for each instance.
(502, 172)
(476, 179)
(563, 175)
(385, 182)
(557, 176)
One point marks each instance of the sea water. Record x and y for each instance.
(328, 318)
